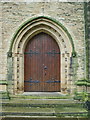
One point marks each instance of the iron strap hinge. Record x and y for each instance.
(32, 81)
(52, 81)
(32, 52)
(53, 53)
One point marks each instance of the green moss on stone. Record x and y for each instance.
(83, 82)
(3, 82)
(86, 40)
(83, 96)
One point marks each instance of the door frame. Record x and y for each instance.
(33, 27)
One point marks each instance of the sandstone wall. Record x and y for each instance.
(70, 14)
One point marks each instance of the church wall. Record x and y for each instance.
(70, 14)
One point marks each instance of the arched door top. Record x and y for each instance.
(45, 23)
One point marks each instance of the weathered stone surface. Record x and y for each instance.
(45, 0)
(71, 15)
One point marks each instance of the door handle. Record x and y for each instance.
(45, 68)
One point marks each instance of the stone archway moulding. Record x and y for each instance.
(25, 32)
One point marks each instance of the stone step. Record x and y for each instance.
(40, 105)
(41, 95)
(43, 107)
(73, 114)
(43, 104)
(48, 109)
(40, 118)
(36, 95)
(41, 101)
(44, 111)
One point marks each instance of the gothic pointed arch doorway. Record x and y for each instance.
(23, 37)
(42, 64)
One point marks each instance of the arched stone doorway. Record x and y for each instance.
(42, 64)
(24, 34)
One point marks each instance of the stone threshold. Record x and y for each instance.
(42, 93)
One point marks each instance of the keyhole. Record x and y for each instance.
(45, 73)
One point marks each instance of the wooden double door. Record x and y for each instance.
(42, 64)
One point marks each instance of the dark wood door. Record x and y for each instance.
(42, 64)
